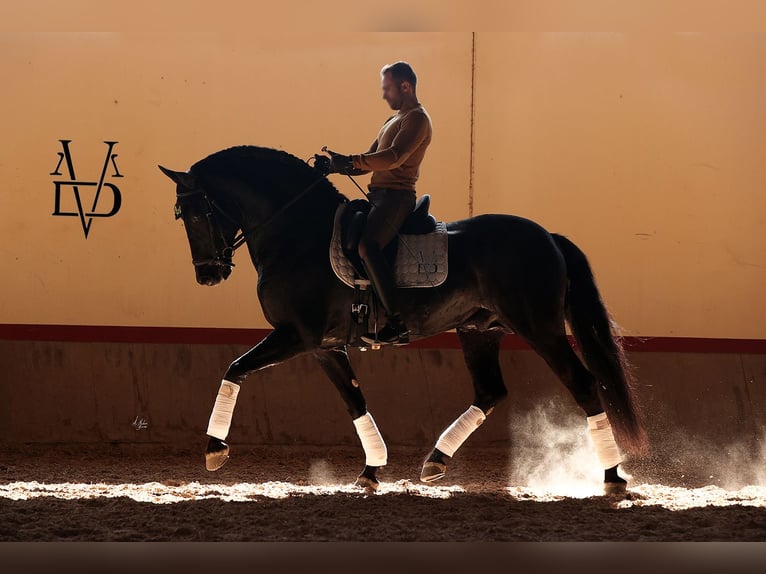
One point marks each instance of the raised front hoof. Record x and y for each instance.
(615, 488)
(432, 471)
(216, 455)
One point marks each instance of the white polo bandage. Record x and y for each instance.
(461, 429)
(603, 440)
(374, 448)
(220, 419)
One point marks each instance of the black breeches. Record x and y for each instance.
(389, 210)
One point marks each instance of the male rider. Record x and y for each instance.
(394, 160)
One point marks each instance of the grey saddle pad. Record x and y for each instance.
(421, 260)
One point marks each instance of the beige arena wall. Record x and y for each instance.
(172, 99)
(645, 149)
(642, 148)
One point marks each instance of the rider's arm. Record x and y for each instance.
(362, 171)
(413, 131)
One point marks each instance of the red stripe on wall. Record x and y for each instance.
(211, 336)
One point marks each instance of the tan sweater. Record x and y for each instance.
(396, 154)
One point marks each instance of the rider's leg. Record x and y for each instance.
(390, 209)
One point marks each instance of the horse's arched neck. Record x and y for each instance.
(289, 229)
(279, 223)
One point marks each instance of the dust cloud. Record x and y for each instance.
(552, 451)
(321, 473)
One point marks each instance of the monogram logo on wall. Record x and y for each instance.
(87, 198)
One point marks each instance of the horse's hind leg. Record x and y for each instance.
(558, 353)
(481, 351)
(335, 364)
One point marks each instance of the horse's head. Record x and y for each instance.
(209, 231)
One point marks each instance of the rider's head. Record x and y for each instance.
(398, 82)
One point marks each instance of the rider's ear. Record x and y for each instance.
(180, 177)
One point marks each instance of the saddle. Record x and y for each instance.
(418, 255)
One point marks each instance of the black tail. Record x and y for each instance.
(593, 328)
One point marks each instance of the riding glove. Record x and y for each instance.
(341, 164)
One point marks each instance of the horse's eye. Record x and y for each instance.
(177, 211)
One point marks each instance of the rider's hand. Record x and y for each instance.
(341, 164)
(322, 164)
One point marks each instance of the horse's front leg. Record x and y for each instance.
(335, 363)
(279, 345)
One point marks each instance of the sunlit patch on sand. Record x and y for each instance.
(671, 498)
(162, 493)
(553, 493)
(677, 498)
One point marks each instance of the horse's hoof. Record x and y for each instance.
(433, 471)
(615, 488)
(216, 455)
(367, 483)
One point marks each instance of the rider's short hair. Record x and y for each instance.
(401, 72)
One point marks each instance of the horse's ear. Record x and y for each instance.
(180, 177)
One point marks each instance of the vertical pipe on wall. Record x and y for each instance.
(473, 118)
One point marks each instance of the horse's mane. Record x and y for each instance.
(253, 164)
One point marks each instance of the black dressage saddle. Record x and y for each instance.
(354, 218)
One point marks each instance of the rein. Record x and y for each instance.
(240, 239)
(223, 251)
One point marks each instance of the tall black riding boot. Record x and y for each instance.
(382, 279)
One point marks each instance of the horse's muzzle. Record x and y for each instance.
(210, 275)
(209, 280)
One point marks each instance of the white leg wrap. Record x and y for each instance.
(461, 429)
(220, 419)
(372, 442)
(603, 440)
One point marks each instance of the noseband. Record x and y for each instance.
(223, 251)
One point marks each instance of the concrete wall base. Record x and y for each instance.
(705, 411)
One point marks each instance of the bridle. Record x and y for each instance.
(223, 251)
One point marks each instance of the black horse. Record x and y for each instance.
(506, 275)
